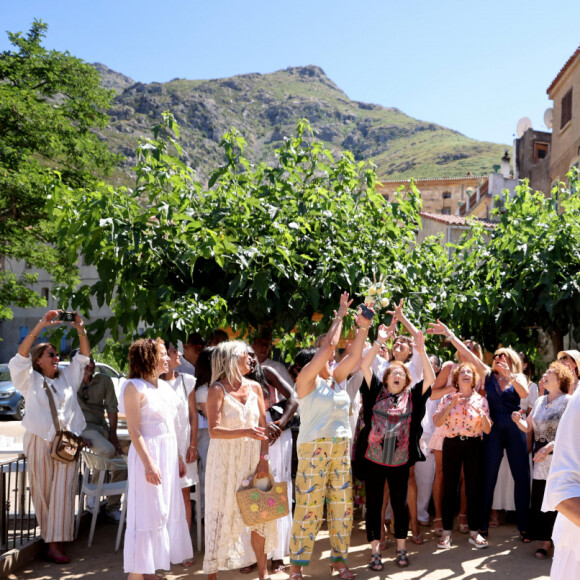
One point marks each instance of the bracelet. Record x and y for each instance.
(193, 447)
(83, 333)
(33, 335)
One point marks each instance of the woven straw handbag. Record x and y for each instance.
(259, 506)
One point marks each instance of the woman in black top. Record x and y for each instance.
(388, 444)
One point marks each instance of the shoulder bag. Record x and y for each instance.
(65, 446)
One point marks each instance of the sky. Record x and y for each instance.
(476, 67)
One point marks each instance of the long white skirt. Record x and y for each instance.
(157, 534)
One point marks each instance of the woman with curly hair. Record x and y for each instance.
(464, 416)
(542, 424)
(157, 534)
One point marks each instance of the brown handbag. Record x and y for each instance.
(65, 446)
(259, 506)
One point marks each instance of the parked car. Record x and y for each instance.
(11, 401)
(117, 378)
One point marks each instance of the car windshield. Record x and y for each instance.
(4, 373)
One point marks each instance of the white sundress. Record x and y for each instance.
(229, 463)
(157, 533)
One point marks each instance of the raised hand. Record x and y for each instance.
(398, 309)
(51, 318)
(78, 322)
(419, 342)
(383, 334)
(439, 328)
(502, 368)
(343, 306)
(362, 321)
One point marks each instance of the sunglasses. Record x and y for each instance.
(565, 357)
(496, 356)
(51, 354)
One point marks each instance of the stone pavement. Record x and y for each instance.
(506, 555)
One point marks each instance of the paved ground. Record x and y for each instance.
(506, 556)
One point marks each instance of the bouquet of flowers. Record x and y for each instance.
(377, 295)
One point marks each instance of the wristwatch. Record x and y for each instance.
(265, 456)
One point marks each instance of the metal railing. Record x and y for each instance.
(17, 520)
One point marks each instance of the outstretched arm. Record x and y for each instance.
(372, 353)
(400, 316)
(428, 372)
(349, 362)
(306, 379)
(439, 328)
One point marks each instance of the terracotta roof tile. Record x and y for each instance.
(455, 220)
(563, 69)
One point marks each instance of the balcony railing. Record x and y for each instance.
(17, 520)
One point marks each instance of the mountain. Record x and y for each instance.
(265, 109)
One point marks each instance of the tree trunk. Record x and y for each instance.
(557, 341)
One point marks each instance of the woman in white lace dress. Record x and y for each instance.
(157, 533)
(238, 450)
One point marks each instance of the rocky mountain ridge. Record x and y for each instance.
(265, 109)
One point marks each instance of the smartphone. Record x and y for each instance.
(366, 311)
(66, 316)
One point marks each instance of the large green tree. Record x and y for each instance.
(526, 275)
(261, 245)
(50, 105)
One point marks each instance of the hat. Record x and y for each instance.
(574, 354)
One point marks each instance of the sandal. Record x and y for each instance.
(402, 560)
(445, 541)
(524, 538)
(438, 529)
(384, 544)
(494, 521)
(477, 540)
(463, 527)
(418, 539)
(187, 563)
(278, 566)
(376, 564)
(248, 569)
(343, 573)
(541, 554)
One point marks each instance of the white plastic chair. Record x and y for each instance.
(100, 489)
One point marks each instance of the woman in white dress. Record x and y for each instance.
(238, 450)
(157, 533)
(274, 389)
(184, 386)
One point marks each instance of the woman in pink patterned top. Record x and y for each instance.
(465, 418)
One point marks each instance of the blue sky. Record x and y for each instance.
(475, 67)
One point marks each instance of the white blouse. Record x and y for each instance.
(38, 419)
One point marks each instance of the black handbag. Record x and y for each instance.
(278, 409)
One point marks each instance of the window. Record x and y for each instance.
(44, 293)
(446, 195)
(566, 108)
(541, 150)
(446, 211)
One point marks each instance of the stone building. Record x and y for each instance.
(565, 92)
(439, 194)
(532, 159)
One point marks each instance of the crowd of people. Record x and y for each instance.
(384, 417)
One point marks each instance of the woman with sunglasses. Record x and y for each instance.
(571, 358)
(36, 375)
(505, 387)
